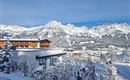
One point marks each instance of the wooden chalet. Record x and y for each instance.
(27, 43)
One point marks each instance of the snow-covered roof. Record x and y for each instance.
(23, 39)
(19, 39)
(87, 42)
(30, 54)
(41, 51)
(77, 51)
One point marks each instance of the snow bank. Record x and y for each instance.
(12, 76)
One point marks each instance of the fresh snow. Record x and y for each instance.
(29, 54)
(13, 76)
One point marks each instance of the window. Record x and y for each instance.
(42, 61)
(53, 61)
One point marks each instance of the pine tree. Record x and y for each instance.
(8, 58)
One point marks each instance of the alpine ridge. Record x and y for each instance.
(56, 29)
(115, 34)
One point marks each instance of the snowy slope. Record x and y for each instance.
(110, 29)
(76, 31)
(12, 28)
(13, 76)
(52, 29)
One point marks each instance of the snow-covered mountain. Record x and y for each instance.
(12, 28)
(52, 29)
(56, 29)
(14, 31)
(72, 30)
(109, 29)
(110, 34)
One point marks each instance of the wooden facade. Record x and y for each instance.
(27, 43)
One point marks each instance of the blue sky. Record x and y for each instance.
(78, 12)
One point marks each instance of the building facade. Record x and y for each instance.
(27, 43)
(50, 60)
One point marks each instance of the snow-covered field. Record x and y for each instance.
(121, 70)
(13, 76)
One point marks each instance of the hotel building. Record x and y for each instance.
(27, 43)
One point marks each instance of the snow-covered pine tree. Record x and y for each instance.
(8, 58)
(25, 68)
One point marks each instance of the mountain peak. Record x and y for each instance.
(54, 23)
